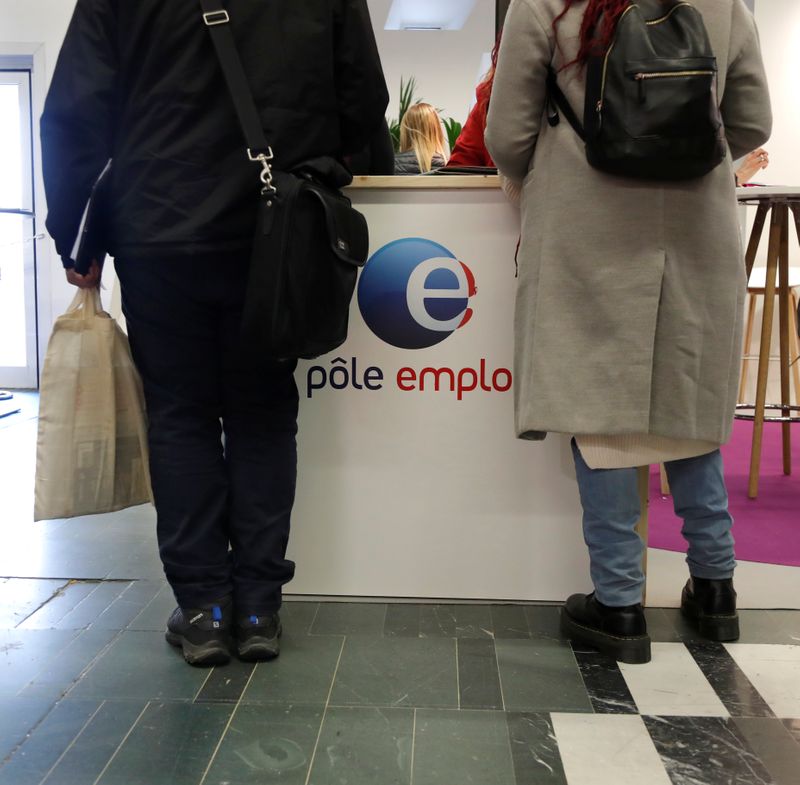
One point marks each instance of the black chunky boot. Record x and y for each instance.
(619, 632)
(202, 633)
(258, 637)
(710, 606)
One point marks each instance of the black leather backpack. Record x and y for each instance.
(651, 108)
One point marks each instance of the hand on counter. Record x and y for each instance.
(752, 163)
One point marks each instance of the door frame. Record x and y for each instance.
(31, 57)
(27, 376)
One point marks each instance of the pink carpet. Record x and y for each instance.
(767, 529)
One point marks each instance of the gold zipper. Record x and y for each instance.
(599, 107)
(665, 18)
(666, 74)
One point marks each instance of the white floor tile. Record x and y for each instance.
(758, 585)
(774, 671)
(672, 685)
(607, 749)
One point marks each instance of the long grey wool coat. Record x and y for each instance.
(629, 305)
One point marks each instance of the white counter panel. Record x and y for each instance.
(410, 493)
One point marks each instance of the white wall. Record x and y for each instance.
(446, 64)
(779, 25)
(37, 27)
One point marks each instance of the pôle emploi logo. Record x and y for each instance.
(413, 294)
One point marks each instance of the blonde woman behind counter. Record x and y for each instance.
(422, 143)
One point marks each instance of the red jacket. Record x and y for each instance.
(470, 149)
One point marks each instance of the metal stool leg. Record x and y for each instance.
(779, 217)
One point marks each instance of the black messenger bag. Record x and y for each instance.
(651, 109)
(309, 240)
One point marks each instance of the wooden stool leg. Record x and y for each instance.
(748, 343)
(755, 236)
(779, 213)
(642, 525)
(795, 347)
(783, 311)
(665, 491)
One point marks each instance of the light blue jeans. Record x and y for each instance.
(611, 508)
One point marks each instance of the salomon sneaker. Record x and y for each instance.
(202, 633)
(258, 637)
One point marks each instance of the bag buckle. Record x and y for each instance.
(214, 18)
(266, 169)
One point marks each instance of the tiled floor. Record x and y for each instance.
(363, 693)
(376, 693)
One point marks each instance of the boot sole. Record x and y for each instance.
(258, 650)
(714, 628)
(634, 651)
(202, 655)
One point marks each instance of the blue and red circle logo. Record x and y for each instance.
(414, 293)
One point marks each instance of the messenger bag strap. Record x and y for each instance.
(218, 22)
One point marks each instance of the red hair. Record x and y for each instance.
(598, 27)
(485, 87)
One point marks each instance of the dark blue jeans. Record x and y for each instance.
(222, 428)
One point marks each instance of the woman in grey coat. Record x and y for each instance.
(629, 309)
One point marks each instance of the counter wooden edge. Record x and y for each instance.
(429, 182)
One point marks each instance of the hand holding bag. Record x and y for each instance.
(309, 240)
(91, 454)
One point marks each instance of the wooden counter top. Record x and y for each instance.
(429, 182)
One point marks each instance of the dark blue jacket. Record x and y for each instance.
(138, 81)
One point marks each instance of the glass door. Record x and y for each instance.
(18, 336)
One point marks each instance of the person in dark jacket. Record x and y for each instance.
(139, 84)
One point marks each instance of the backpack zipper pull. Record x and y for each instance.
(640, 79)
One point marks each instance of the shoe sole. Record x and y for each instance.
(719, 628)
(634, 650)
(258, 649)
(200, 655)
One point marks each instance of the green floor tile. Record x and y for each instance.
(361, 746)
(510, 621)
(21, 597)
(297, 617)
(544, 621)
(349, 618)
(25, 653)
(61, 672)
(266, 744)
(17, 717)
(60, 605)
(86, 759)
(455, 621)
(47, 742)
(452, 747)
(141, 666)
(402, 620)
(397, 672)
(155, 614)
(303, 673)
(540, 675)
(171, 744)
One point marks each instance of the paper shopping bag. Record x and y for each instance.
(91, 454)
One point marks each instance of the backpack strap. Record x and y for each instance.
(557, 100)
